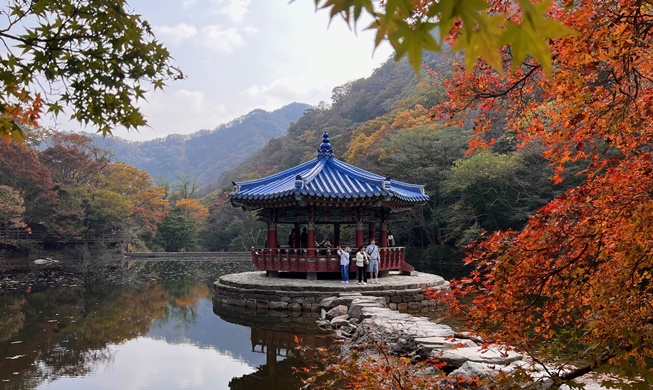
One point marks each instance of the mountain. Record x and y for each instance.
(358, 106)
(207, 153)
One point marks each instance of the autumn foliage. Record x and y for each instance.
(576, 281)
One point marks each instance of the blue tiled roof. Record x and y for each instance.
(327, 178)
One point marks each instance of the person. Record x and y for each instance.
(304, 238)
(361, 261)
(373, 252)
(344, 263)
(391, 238)
(326, 244)
(292, 241)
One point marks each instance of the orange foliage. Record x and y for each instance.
(147, 201)
(193, 208)
(367, 138)
(577, 279)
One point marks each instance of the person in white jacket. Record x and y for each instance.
(361, 262)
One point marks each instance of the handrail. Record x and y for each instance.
(318, 259)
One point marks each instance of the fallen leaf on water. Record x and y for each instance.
(15, 357)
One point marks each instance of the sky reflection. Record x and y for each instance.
(144, 363)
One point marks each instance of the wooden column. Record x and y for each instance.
(359, 235)
(383, 237)
(371, 231)
(298, 234)
(336, 234)
(311, 238)
(272, 236)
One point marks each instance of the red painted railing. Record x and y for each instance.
(322, 260)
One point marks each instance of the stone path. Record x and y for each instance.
(363, 319)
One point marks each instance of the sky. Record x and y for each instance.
(240, 55)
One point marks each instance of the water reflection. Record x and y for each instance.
(154, 329)
(144, 325)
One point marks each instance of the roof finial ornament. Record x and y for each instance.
(325, 150)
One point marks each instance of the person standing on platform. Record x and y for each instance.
(373, 252)
(304, 239)
(344, 263)
(361, 262)
(292, 241)
(391, 238)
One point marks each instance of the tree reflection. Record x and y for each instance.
(67, 331)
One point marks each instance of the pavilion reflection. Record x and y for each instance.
(275, 334)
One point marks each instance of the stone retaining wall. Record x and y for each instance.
(403, 300)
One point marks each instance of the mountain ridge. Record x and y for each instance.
(205, 154)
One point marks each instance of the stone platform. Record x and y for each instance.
(256, 290)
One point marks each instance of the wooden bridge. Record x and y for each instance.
(189, 255)
(15, 234)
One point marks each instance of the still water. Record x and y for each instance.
(149, 325)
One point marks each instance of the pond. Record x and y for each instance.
(139, 325)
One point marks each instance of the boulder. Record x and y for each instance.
(278, 305)
(357, 305)
(492, 355)
(342, 299)
(439, 343)
(336, 312)
(479, 370)
(340, 321)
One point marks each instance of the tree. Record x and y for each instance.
(193, 208)
(576, 281)
(480, 28)
(76, 166)
(178, 232)
(24, 173)
(185, 187)
(11, 207)
(146, 200)
(90, 56)
(74, 160)
(108, 212)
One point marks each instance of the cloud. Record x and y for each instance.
(177, 34)
(180, 112)
(282, 91)
(223, 40)
(250, 30)
(235, 9)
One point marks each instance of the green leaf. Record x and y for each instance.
(485, 45)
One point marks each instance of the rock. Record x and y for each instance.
(336, 312)
(340, 321)
(479, 370)
(323, 324)
(294, 306)
(327, 303)
(45, 261)
(357, 305)
(492, 355)
(439, 343)
(342, 299)
(277, 305)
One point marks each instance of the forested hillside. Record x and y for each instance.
(382, 124)
(205, 154)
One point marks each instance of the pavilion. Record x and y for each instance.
(325, 190)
